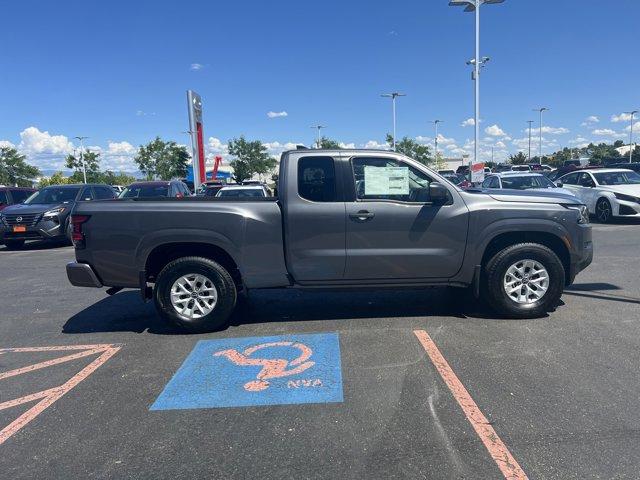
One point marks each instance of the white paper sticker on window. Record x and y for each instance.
(386, 180)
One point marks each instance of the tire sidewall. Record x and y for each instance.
(497, 269)
(608, 203)
(220, 278)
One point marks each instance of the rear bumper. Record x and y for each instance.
(82, 275)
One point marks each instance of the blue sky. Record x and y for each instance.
(117, 71)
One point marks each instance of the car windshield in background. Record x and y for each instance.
(53, 195)
(617, 178)
(526, 182)
(242, 192)
(138, 191)
(454, 178)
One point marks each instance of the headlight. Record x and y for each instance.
(54, 213)
(627, 198)
(583, 212)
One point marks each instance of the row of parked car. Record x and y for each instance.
(30, 214)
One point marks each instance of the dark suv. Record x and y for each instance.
(45, 215)
(13, 195)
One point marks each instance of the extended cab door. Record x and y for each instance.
(394, 232)
(314, 217)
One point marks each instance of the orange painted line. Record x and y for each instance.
(49, 363)
(54, 349)
(496, 447)
(51, 395)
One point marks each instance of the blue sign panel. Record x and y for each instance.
(237, 372)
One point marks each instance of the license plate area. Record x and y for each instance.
(19, 229)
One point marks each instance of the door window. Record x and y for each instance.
(317, 179)
(571, 179)
(584, 180)
(87, 194)
(103, 193)
(379, 178)
(20, 196)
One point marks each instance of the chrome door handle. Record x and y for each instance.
(362, 215)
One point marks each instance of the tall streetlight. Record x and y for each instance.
(631, 114)
(393, 96)
(530, 122)
(435, 123)
(318, 128)
(84, 167)
(477, 62)
(540, 110)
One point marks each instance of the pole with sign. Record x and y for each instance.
(197, 138)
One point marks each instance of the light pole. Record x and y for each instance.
(632, 114)
(477, 62)
(540, 110)
(393, 96)
(530, 122)
(318, 128)
(84, 167)
(435, 123)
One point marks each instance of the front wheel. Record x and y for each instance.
(195, 293)
(604, 212)
(524, 280)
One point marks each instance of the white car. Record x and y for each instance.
(242, 191)
(523, 181)
(607, 192)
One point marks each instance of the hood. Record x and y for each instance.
(547, 195)
(626, 189)
(563, 191)
(33, 208)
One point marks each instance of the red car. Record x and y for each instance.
(13, 195)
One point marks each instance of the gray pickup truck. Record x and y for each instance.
(342, 219)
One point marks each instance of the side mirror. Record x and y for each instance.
(438, 193)
(559, 184)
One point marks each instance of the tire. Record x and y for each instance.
(185, 270)
(523, 303)
(14, 244)
(604, 212)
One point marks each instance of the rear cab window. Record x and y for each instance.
(317, 179)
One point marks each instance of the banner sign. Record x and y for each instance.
(477, 173)
(197, 138)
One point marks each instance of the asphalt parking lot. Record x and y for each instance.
(560, 393)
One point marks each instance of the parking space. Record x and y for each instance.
(322, 385)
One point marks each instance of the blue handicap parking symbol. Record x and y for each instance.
(237, 372)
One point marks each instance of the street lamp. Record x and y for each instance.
(540, 110)
(474, 6)
(632, 114)
(84, 167)
(318, 127)
(435, 123)
(393, 96)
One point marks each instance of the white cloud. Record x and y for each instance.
(550, 130)
(142, 113)
(495, 131)
(120, 148)
(277, 114)
(469, 122)
(500, 145)
(636, 128)
(347, 145)
(33, 142)
(375, 145)
(607, 132)
(590, 121)
(275, 149)
(216, 147)
(196, 66)
(6, 144)
(623, 117)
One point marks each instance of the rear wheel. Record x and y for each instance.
(14, 244)
(195, 293)
(604, 212)
(524, 280)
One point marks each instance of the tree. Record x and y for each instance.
(250, 158)
(412, 149)
(14, 171)
(329, 144)
(518, 159)
(91, 161)
(111, 178)
(163, 160)
(57, 178)
(599, 154)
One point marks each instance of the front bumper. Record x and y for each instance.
(626, 209)
(82, 275)
(582, 255)
(43, 230)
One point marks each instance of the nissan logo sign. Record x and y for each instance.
(18, 219)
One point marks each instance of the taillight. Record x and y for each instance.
(76, 229)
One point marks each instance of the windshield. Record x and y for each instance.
(617, 178)
(248, 192)
(526, 182)
(52, 195)
(136, 191)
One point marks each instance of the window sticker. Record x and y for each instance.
(386, 180)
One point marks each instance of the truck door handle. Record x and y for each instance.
(362, 215)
